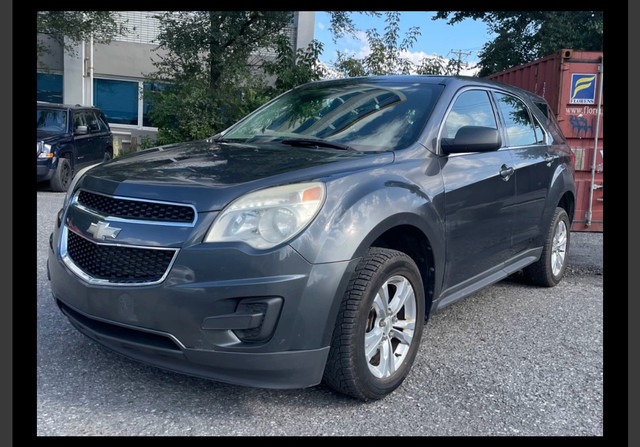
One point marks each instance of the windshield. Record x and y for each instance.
(366, 117)
(52, 121)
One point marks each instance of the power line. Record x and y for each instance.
(460, 53)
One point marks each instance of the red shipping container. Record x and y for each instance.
(571, 83)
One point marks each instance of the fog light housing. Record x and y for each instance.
(253, 321)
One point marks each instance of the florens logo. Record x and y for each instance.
(583, 88)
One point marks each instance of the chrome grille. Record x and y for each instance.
(117, 264)
(136, 209)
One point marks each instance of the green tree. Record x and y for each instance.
(387, 49)
(76, 26)
(523, 36)
(215, 64)
(438, 65)
(291, 70)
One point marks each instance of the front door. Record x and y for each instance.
(479, 195)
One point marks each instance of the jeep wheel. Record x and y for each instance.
(549, 269)
(379, 327)
(62, 176)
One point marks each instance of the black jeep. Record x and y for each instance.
(69, 137)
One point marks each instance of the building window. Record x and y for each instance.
(122, 101)
(149, 89)
(117, 99)
(49, 87)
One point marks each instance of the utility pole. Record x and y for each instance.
(460, 53)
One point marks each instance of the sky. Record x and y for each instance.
(436, 36)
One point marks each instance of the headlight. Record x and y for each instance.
(266, 218)
(46, 151)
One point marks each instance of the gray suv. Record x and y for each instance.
(311, 241)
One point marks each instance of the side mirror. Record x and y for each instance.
(81, 130)
(472, 139)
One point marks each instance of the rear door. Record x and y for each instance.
(83, 141)
(100, 136)
(479, 195)
(534, 164)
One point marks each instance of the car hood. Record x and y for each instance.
(209, 174)
(49, 137)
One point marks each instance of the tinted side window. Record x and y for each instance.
(517, 120)
(99, 121)
(92, 122)
(551, 123)
(540, 134)
(543, 108)
(471, 108)
(78, 120)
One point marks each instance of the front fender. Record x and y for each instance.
(64, 150)
(361, 207)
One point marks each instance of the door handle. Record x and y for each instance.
(506, 172)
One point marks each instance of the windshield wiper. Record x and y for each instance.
(316, 143)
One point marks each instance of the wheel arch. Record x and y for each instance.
(561, 194)
(66, 151)
(568, 203)
(413, 242)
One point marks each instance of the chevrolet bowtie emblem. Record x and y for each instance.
(101, 230)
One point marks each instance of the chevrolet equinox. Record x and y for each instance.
(311, 241)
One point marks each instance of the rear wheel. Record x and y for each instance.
(550, 268)
(379, 327)
(62, 176)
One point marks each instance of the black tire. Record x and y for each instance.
(398, 329)
(550, 268)
(62, 176)
(108, 155)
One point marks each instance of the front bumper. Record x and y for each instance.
(44, 170)
(223, 312)
(293, 369)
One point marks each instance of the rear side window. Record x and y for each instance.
(92, 122)
(551, 122)
(78, 120)
(517, 121)
(95, 123)
(471, 108)
(102, 120)
(540, 133)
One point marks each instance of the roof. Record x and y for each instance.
(427, 79)
(54, 105)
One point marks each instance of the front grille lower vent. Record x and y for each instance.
(117, 264)
(136, 209)
(120, 332)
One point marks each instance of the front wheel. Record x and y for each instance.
(550, 268)
(379, 327)
(62, 176)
